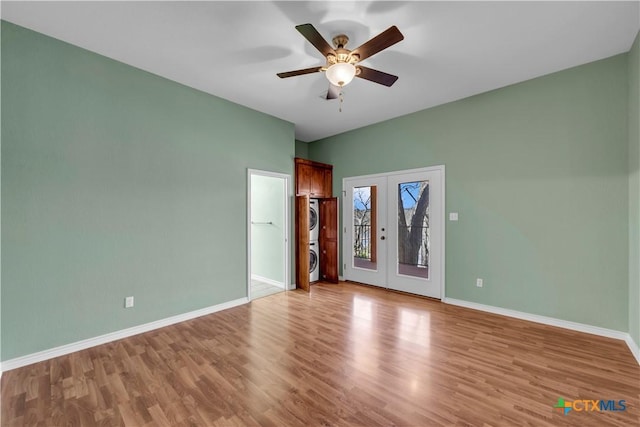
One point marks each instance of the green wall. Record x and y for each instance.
(302, 149)
(267, 240)
(634, 191)
(117, 182)
(538, 174)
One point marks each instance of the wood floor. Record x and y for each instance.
(344, 355)
(261, 289)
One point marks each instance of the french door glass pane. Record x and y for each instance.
(413, 229)
(363, 233)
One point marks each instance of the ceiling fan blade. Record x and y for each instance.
(310, 33)
(387, 38)
(333, 92)
(376, 76)
(299, 72)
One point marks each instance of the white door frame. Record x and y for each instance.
(287, 225)
(346, 220)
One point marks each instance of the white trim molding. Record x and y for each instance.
(40, 356)
(633, 346)
(286, 229)
(566, 324)
(267, 281)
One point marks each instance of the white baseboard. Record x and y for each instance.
(633, 346)
(40, 356)
(566, 324)
(268, 281)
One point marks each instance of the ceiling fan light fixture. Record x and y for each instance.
(341, 74)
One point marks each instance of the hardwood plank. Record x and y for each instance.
(343, 355)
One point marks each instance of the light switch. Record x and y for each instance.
(453, 216)
(128, 302)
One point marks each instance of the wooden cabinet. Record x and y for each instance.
(313, 178)
(304, 176)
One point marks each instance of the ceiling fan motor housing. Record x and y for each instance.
(340, 40)
(341, 53)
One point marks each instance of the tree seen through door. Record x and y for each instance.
(413, 228)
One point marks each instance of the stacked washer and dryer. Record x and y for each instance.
(314, 245)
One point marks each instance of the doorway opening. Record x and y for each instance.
(394, 230)
(267, 233)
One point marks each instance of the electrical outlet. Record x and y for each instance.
(128, 302)
(479, 282)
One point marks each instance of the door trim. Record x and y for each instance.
(287, 226)
(437, 168)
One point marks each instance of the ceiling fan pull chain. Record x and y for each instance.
(341, 99)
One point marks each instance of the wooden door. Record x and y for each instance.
(302, 242)
(329, 239)
(329, 261)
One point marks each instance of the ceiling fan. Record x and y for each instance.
(342, 64)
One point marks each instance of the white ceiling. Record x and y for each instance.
(233, 50)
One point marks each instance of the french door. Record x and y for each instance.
(394, 230)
